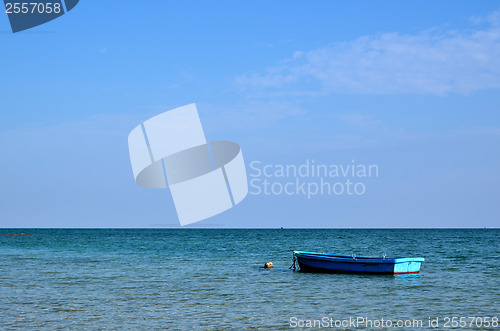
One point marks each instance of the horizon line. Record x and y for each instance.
(259, 228)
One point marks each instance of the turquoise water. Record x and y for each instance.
(211, 278)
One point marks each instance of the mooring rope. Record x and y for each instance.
(293, 264)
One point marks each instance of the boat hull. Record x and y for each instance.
(317, 262)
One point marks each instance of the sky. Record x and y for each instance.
(412, 87)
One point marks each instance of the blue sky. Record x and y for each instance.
(413, 87)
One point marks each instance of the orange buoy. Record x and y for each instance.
(268, 265)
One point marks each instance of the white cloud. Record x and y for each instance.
(435, 61)
(358, 120)
(249, 116)
(481, 131)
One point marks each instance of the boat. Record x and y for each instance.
(321, 262)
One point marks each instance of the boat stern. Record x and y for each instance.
(407, 266)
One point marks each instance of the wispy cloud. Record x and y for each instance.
(358, 120)
(248, 117)
(436, 61)
(481, 131)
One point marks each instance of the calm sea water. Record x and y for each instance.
(211, 278)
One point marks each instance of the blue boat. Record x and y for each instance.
(320, 262)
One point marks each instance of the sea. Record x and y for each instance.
(212, 279)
